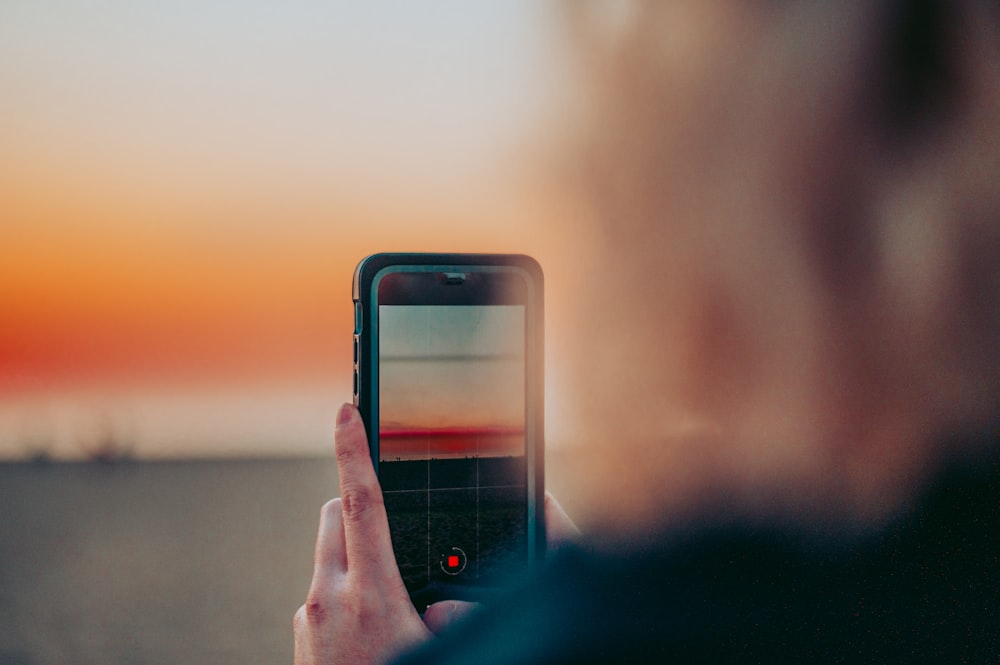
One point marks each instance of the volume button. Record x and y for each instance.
(357, 318)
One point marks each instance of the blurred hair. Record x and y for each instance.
(794, 292)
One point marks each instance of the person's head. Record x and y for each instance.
(795, 284)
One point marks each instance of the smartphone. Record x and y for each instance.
(448, 377)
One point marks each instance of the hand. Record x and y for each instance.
(559, 531)
(357, 610)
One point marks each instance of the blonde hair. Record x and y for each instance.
(795, 286)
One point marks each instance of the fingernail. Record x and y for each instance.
(345, 414)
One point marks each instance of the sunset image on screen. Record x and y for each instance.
(451, 381)
(452, 461)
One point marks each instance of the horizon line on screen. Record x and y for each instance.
(451, 442)
(405, 432)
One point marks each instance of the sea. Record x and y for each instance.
(162, 562)
(156, 562)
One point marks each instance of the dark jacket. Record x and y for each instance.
(926, 588)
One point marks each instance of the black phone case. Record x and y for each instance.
(366, 351)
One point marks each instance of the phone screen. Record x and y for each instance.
(452, 439)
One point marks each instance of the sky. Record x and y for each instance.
(451, 366)
(186, 187)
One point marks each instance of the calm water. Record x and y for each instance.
(169, 562)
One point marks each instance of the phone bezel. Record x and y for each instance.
(367, 278)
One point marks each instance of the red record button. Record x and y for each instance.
(453, 562)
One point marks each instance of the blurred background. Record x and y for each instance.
(185, 189)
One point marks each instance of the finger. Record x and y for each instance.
(440, 616)
(366, 526)
(330, 556)
(303, 643)
(559, 528)
(329, 564)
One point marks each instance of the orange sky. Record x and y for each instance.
(184, 195)
(125, 291)
(226, 304)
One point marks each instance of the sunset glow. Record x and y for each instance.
(185, 190)
(441, 443)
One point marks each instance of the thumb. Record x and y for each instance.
(440, 616)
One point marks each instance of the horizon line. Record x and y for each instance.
(448, 432)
